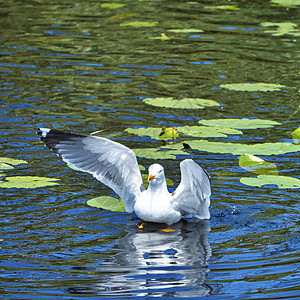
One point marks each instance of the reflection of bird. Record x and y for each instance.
(116, 166)
(151, 263)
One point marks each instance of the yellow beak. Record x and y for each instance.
(150, 177)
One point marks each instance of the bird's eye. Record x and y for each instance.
(160, 171)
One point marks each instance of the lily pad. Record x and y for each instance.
(173, 132)
(253, 87)
(142, 168)
(168, 133)
(240, 123)
(27, 182)
(139, 24)
(257, 165)
(107, 203)
(157, 153)
(282, 28)
(8, 163)
(296, 135)
(162, 37)
(112, 5)
(238, 149)
(205, 131)
(224, 7)
(287, 3)
(283, 182)
(186, 103)
(185, 30)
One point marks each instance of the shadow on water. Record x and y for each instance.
(156, 260)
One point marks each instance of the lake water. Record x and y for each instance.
(83, 66)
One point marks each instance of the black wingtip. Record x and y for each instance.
(52, 137)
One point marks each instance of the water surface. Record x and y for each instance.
(76, 66)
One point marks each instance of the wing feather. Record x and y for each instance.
(192, 196)
(112, 163)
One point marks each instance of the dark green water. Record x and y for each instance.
(73, 65)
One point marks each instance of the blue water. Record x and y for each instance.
(72, 66)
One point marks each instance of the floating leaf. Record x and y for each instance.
(283, 182)
(287, 3)
(27, 182)
(142, 168)
(225, 7)
(296, 135)
(155, 133)
(157, 153)
(173, 132)
(149, 131)
(108, 203)
(162, 37)
(257, 165)
(253, 87)
(186, 30)
(204, 131)
(8, 163)
(168, 133)
(186, 103)
(282, 28)
(238, 149)
(240, 123)
(139, 24)
(112, 5)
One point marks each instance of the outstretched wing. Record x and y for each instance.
(192, 194)
(111, 163)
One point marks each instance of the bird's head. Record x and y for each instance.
(156, 174)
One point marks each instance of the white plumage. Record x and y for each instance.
(116, 166)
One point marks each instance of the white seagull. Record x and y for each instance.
(116, 166)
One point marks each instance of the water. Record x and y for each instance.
(72, 66)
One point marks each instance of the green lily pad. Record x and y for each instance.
(282, 28)
(173, 132)
(8, 163)
(204, 131)
(238, 149)
(287, 3)
(253, 87)
(185, 30)
(224, 7)
(164, 133)
(186, 103)
(112, 5)
(168, 133)
(152, 132)
(142, 168)
(240, 123)
(283, 182)
(296, 135)
(162, 37)
(27, 182)
(257, 165)
(139, 24)
(157, 153)
(107, 203)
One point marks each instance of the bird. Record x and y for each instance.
(116, 166)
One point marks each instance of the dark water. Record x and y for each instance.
(71, 65)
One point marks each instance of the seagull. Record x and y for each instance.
(116, 166)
